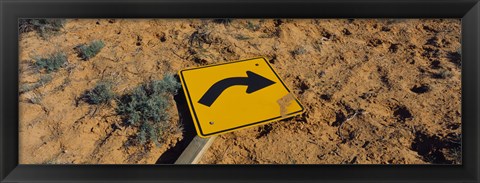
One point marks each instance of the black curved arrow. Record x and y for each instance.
(253, 81)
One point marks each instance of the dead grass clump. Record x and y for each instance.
(32, 86)
(298, 51)
(44, 27)
(225, 21)
(242, 37)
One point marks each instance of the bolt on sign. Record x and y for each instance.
(235, 95)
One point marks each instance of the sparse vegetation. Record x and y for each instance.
(34, 98)
(196, 45)
(242, 37)
(438, 149)
(198, 38)
(44, 79)
(51, 63)
(455, 57)
(252, 26)
(266, 36)
(145, 107)
(442, 74)
(299, 51)
(225, 21)
(43, 26)
(86, 52)
(101, 94)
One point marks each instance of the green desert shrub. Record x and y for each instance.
(43, 26)
(88, 51)
(51, 63)
(101, 94)
(145, 107)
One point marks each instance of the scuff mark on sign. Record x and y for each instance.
(284, 102)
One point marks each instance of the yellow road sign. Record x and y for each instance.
(234, 95)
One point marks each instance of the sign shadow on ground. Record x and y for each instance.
(172, 154)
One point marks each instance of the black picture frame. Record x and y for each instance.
(11, 11)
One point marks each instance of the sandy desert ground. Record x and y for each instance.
(376, 91)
